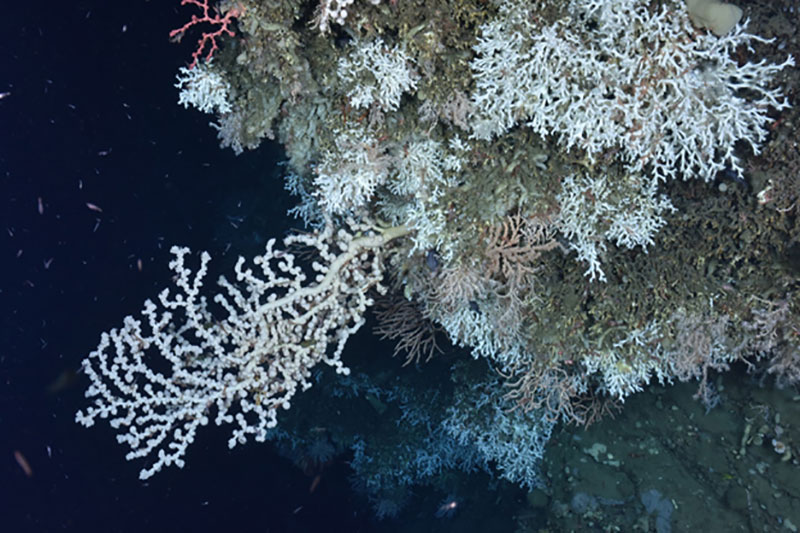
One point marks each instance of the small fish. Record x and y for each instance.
(65, 380)
(447, 508)
(23, 463)
(94, 207)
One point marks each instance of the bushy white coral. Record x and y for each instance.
(626, 211)
(472, 325)
(621, 376)
(513, 440)
(203, 88)
(348, 174)
(375, 73)
(426, 170)
(619, 75)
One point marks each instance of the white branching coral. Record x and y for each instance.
(187, 362)
(425, 172)
(620, 374)
(349, 173)
(375, 73)
(625, 211)
(618, 75)
(203, 88)
(472, 325)
(513, 440)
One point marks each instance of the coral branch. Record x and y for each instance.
(222, 22)
(158, 379)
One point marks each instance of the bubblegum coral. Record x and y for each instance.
(186, 361)
(222, 22)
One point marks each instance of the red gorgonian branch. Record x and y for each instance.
(218, 20)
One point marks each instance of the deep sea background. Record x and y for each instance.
(91, 116)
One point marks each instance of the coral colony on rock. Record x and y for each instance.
(544, 184)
